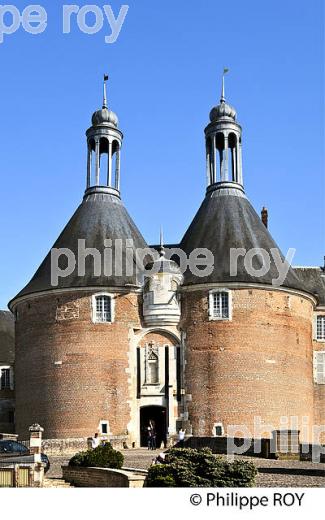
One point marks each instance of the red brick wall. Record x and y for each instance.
(228, 373)
(91, 384)
(258, 364)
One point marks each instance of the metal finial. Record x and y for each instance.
(105, 92)
(162, 249)
(223, 99)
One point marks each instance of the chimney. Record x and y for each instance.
(264, 216)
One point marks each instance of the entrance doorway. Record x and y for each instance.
(157, 416)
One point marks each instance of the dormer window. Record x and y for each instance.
(220, 305)
(103, 308)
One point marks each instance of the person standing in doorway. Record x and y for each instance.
(181, 437)
(153, 439)
(152, 426)
(149, 437)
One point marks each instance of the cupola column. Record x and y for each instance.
(118, 168)
(109, 164)
(89, 155)
(239, 163)
(213, 159)
(97, 151)
(235, 162)
(208, 168)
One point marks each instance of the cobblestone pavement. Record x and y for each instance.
(272, 473)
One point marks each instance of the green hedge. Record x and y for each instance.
(104, 456)
(186, 467)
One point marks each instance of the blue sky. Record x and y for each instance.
(165, 70)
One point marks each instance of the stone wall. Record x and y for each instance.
(102, 477)
(220, 445)
(258, 364)
(72, 446)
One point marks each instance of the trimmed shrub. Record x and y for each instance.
(104, 456)
(186, 467)
(79, 459)
(160, 476)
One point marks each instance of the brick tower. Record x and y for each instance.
(72, 337)
(248, 337)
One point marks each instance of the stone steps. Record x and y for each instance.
(56, 483)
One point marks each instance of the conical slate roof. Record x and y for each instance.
(314, 279)
(226, 221)
(101, 216)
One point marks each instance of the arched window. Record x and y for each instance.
(102, 309)
(219, 155)
(103, 161)
(153, 369)
(152, 364)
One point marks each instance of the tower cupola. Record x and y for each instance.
(104, 142)
(223, 146)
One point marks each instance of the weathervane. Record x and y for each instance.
(161, 249)
(223, 99)
(105, 91)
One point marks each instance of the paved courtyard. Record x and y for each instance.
(272, 473)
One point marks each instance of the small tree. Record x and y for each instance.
(186, 467)
(104, 456)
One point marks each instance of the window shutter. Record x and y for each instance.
(319, 368)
